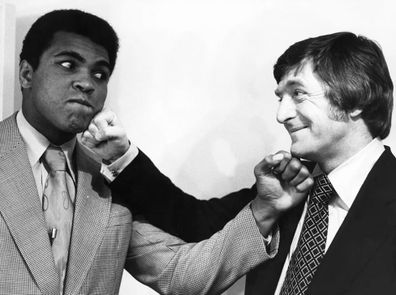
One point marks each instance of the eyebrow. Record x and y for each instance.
(80, 58)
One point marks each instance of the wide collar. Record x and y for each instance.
(36, 144)
(21, 209)
(348, 177)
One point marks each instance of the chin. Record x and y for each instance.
(77, 124)
(300, 151)
(77, 127)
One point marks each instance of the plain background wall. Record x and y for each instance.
(7, 54)
(193, 83)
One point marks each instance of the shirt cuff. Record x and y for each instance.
(271, 242)
(268, 239)
(111, 171)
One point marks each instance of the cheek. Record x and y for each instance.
(50, 93)
(100, 97)
(320, 125)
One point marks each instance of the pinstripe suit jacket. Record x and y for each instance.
(105, 240)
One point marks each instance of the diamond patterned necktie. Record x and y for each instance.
(311, 245)
(57, 204)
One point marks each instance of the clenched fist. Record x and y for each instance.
(282, 182)
(106, 137)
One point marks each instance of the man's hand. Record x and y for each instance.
(106, 137)
(282, 182)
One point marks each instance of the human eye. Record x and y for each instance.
(67, 64)
(101, 75)
(299, 94)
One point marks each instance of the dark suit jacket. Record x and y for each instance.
(155, 196)
(361, 259)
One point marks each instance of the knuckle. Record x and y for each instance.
(268, 159)
(304, 171)
(91, 128)
(294, 164)
(305, 185)
(285, 154)
(86, 135)
(309, 181)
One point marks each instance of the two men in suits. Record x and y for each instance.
(66, 61)
(336, 101)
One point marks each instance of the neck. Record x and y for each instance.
(58, 139)
(343, 152)
(47, 129)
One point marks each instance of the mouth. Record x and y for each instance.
(81, 101)
(293, 129)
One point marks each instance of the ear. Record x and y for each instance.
(25, 74)
(354, 114)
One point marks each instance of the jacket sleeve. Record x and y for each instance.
(146, 191)
(170, 266)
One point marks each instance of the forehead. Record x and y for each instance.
(300, 76)
(71, 42)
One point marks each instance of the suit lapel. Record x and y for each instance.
(21, 208)
(264, 278)
(92, 211)
(364, 229)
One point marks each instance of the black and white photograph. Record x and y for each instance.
(240, 147)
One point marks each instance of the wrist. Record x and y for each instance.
(122, 150)
(265, 214)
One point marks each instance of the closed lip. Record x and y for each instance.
(81, 101)
(292, 129)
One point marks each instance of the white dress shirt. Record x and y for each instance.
(110, 172)
(347, 180)
(36, 145)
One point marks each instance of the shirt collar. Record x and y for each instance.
(36, 143)
(348, 177)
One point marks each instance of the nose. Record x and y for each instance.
(286, 110)
(84, 84)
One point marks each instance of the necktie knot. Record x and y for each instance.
(54, 159)
(322, 190)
